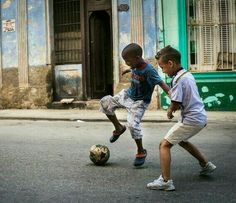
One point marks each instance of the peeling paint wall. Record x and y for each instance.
(147, 18)
(9, 39)
(37, 92)
(36, 32)
(149, 21)
(124, 26)
(150, 28)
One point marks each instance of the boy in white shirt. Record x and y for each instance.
(184, 96)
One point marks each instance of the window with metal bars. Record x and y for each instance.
(211, 34)
(67, 32)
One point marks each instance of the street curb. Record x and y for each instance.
(82, 119)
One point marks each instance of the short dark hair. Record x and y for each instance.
(169, 53)
(133, 49)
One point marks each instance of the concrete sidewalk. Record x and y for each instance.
(96, 115)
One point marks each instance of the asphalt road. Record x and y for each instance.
(48, 161)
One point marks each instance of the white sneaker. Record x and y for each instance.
(209, 168)
(160, 184)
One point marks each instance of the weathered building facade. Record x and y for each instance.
(57, 49)
(205, 33)
(52, 50)
(26, 71)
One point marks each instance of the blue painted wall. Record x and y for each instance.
(124, 27)
(37, 32)
(9, 39)
(37, 44)
(150, 28)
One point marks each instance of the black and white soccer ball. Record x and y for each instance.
(99, 154)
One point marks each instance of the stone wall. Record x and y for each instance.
(38, 94)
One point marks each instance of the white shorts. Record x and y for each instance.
(182, 132)
(135, 110)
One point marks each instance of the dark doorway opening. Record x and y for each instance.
(67, 49)
(67, 32)
(100, 57)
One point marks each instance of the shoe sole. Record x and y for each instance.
(157, 188)
(143, 159)
(116, 137)
(207, 172)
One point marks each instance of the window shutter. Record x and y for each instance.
(207, 33)
(212, 34)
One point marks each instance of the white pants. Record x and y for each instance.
(135, 110)
(182, 132)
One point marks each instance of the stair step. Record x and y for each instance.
(91, 104)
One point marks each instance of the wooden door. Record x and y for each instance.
(101, 71)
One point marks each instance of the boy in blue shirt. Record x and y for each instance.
(135, 99)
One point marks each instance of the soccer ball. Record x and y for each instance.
(99, 154)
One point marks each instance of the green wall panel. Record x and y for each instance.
(217, 90)
(220, 96)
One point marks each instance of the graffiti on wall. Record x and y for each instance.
(214, 96)
(9, 25)
(6, 4)
(216, 99)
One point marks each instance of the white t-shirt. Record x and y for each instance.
(185, 91)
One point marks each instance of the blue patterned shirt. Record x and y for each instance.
(143, 81)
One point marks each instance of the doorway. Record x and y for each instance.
(83, 55)
(67, 49)
(100, 58)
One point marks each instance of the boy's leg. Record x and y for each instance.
(206, 167)
(139, 144)
(174, 136)
(165, 159)
(179, 134)
(135, 114)
(163, 182)
(118, 126)
(108, 104)
(141, 153)
(194, 152)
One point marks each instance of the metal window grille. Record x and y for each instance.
(212, 34)
(67, 33)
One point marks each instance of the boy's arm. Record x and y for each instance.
(126, 71)
(172, 108)
(165, 87)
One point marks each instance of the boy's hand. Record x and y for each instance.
(170, 113)
(172, 108)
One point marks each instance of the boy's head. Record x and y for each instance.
(132, 54)
(169, 59)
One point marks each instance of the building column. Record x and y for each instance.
(115, 42)
(1, 51)
(136, 11)
(49, 33)
(22, 43)
(1, 63)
